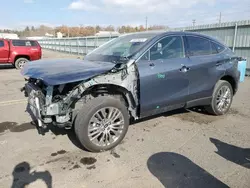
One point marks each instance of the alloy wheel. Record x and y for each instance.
(21, 64)
(223, 98)
(106, 126)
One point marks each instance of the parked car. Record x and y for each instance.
(17, 52)
(129, 78)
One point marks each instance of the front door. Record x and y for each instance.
(4, 52)
(163, 81)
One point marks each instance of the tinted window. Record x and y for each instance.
(167, 48)
(23, 43)
(145, 56)
(219, 48)
(1, 43)
(214, 50)
(33, 43)
(198, 46)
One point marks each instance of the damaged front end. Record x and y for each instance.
(50, 104)
(58, 104)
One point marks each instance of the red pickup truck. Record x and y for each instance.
(17, 52)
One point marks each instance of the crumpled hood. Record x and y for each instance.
(62, 71)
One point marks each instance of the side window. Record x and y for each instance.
(198, 46)
(214, 50)
(167, 48)
(33, 43)
(1, 43)
(23, 43)
(219, 48)
(27, 43)
(146, 56)
(18, 42)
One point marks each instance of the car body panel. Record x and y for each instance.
(4, 51)
(176, 88)
(206, 70)
(61, 71)
(203, 74)
(161, 85)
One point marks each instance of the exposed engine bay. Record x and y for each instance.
(58, 104)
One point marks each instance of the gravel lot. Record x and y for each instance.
(177, 149)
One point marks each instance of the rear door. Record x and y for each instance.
(203, 65)
(4, 51)
(163, 85)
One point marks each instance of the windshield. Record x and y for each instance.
(120, 49)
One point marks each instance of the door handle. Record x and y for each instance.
(219, 63)
(151, 64)
(184, 69)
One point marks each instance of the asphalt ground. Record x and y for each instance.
(184, 148)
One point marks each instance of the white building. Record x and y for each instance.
(9, 36)
(49, 35)
(59, 35)
(107, 33)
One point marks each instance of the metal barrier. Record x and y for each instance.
(78, 45)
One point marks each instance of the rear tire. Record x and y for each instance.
(222, 98)
(19, 63)
(98, 117)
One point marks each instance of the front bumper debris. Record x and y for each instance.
(41, 108)
(34, 103)
(35, 109)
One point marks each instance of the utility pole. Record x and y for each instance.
(146, 23)
(194, 22)
(80, 29)
(220, 18)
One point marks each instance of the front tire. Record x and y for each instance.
(222, 98)
(102, 123)
(20, 62)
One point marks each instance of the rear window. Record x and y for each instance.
(24, 43)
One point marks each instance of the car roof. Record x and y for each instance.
(162, 33)
(24, 39)
(201, 35)
(17, 39)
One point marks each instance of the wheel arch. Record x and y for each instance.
(114, 90)
(21, 56)
(231, 80)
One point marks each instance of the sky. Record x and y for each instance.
(16, 14)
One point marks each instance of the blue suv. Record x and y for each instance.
(131, 77)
